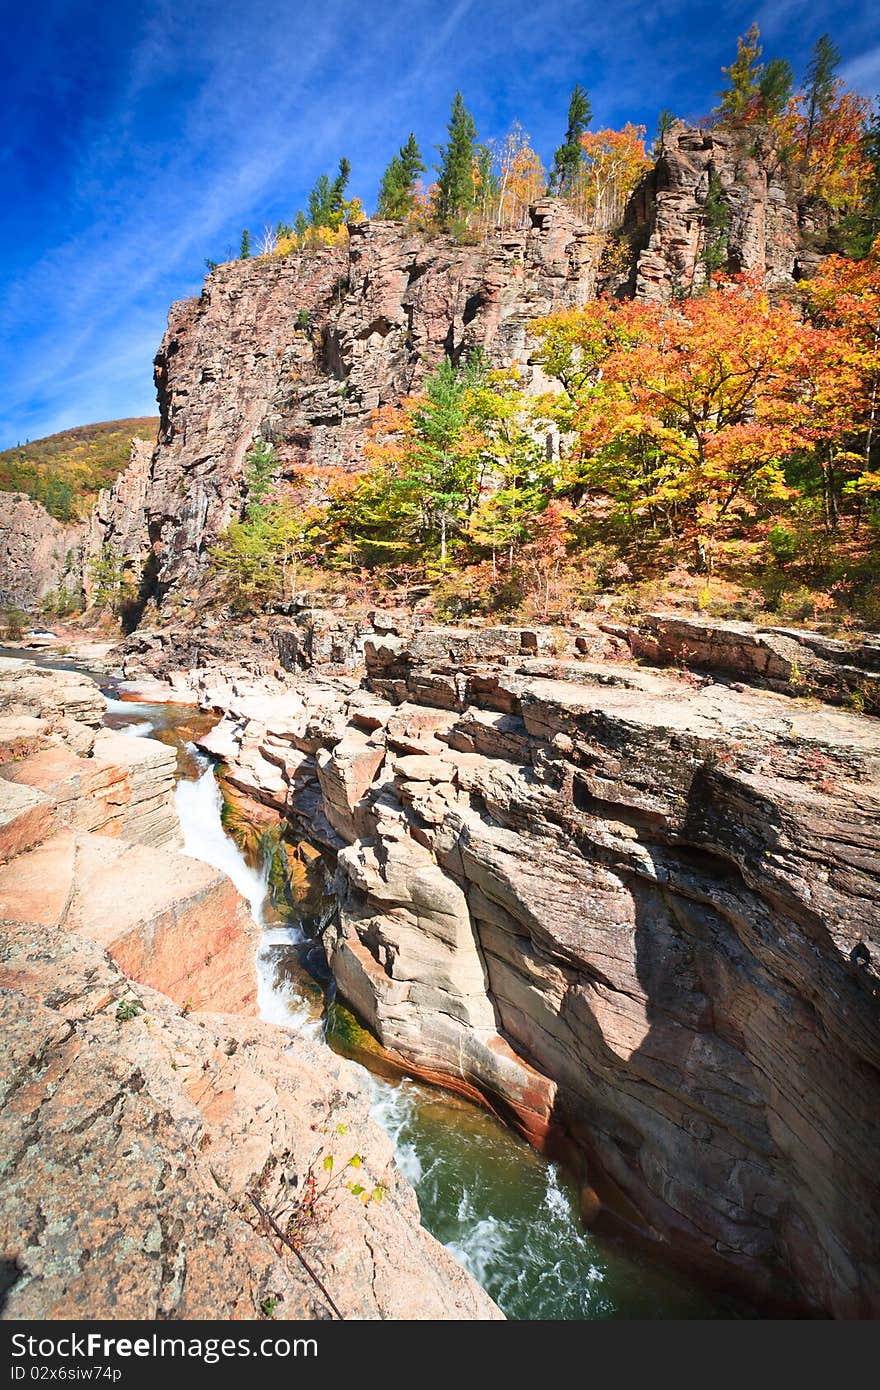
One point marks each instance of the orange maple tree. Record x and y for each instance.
(684, 416)
(835, 166)
(845, 296)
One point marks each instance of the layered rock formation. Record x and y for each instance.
(86, 818)
(37, 553)
(302, 350)
(134, 1126)
(632, 908)
(118, 521)
(40, 556)
(762, 234)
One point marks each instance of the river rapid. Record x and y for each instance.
(507, 1214)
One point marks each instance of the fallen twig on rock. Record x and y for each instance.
(270, 1221)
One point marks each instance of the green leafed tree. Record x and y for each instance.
(455, 183)
(716, 218)
(245, 248)
(665, 122)
(319, 202)
(327, 205)
(262, 465)
(399, 182)
(107, 579)
(775, 88)
(568, 159)
(487, 184)
(442, 470)
(336, 210)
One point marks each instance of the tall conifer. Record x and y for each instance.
(569, 157)
(456, 169)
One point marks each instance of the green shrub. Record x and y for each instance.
(782, 544)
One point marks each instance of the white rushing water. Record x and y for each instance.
(199, 806)
(505, 1213)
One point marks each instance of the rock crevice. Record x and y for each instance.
(635, 909)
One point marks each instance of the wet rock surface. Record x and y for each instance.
(135, 1119)
(633, 907)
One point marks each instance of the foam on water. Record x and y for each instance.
(198, 807)
(505, 1213)
(393, 1108)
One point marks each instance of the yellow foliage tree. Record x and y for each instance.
(521, 176)
(615, 161)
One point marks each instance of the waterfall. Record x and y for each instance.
(502, 1210)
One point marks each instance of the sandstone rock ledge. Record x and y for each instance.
(636, 909)
(134, 1123)
(128, 1148)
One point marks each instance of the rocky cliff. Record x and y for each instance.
(762, 224)
(37, 553)
(303, 349)
(40, 556)
(636, 910)
(136, 1120)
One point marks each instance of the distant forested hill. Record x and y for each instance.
(66, 471)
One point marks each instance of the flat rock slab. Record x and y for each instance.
(128, 1145)
(26, 818)
(170, 921)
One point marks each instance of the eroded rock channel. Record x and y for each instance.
(136, 1119)
(631, 909)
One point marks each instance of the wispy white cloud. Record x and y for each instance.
(863, 73)
(213, 115)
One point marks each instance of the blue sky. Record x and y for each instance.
(141, 137)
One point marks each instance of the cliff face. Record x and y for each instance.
(37, 553)
(303, 351)
(118, 519)
(634, 909)
(761, 229)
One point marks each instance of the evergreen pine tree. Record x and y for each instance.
(774, 89)
(665, 121)
(820, 84)
(245, 248)
(716, 218)
(456, 169)
(398, 181)
(319, 202)
(486, 178)
(569, 157)
(336, 199)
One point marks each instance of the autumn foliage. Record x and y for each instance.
(673, 434)
(727, 430)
